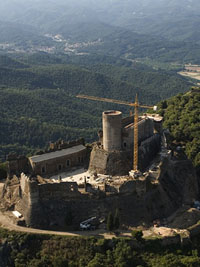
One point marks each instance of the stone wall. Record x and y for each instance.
(66, 190)
(61, 144)
(112, 163)
(145, 130)
(121, 162)
(148, 149)
(17, 164)
(127, 120)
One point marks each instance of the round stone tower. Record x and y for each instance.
(112, 130)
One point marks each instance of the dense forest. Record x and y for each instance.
(38, 103)
(182, 118)
(29, 250)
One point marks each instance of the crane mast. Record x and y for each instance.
(136, 119)
(135, 140)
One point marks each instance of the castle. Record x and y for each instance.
(46, 192)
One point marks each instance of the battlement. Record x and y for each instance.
(61, 144)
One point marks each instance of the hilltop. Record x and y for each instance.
(181, 117)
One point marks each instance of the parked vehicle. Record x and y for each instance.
(87, 224)
(17, 214)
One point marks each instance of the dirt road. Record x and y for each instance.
(6, 222)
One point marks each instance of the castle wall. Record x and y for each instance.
(64, 190)
(17, 164)
(148, 149)
(47, 205)
(112, 163)
(145, 130)
(33, 195)
(127, 120)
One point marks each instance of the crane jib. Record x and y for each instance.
(109, 100)
(136, 105)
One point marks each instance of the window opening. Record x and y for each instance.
(59, 167)
(43, 169)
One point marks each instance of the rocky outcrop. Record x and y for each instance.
(179, 181)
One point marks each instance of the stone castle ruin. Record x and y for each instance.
(113, 154)
(46, 191)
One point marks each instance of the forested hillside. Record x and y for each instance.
(131, 45)
(38, 103)
(30, 250)
(182, 118)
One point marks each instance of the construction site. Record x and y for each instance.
(129, 168)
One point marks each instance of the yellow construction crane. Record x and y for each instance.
(136, 105)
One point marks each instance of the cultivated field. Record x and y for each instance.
(192, 71)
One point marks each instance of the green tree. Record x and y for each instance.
(59, 262)
(137, 234)
(3, 170)
(116, 220)
(98, 261)
(110, 224)
(123, 255)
